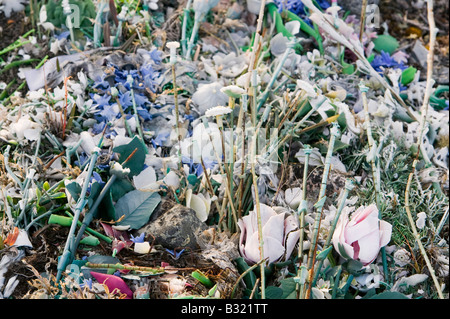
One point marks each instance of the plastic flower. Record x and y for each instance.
(386, 61)
(361, 237)
(280, 234)
(218, 111)
(208, 96)
(114, 283)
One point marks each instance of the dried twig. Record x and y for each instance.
(424, 111)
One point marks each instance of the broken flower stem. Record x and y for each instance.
(334, 132)
(348, 187)
(152, 270)
(68, 252)
(258, 216)
(177, 114)
(301, 214)
(375, 169)
(424, 111)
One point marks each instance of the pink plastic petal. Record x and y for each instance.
(369, 247)
(354, 232)
(292, 239)
(385, 233)
(274, 227)
(113, 282)
(363, 213)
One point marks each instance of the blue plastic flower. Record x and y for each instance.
(297, 7)
(386, 61)
(101, 83)
(139, 239)
(87, 282)
(174, 254)
(149, 76)
(101, 100)
(161, 138)
(156, 56)
(109, 113)
(125, 99)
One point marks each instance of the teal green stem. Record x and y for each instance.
(184, 28)
(91, 214)
(334, 132)
(275, 74)
(193, 35)
(136, 115)
(349, 185)
(68, 253)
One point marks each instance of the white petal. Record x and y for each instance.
(22, 239)
(369, 247)
(420, 222)
(293, 26)
(385, 233)
(292, 239)
(142, 248)
(274, 227)
(293, 197)
(354, 232)
(172, 179)
(199, 206)
(145, 179)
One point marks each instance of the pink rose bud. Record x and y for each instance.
(361, 237)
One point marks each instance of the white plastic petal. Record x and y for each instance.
(145, 179)
(293, 197)
(172, 179)
(142, 248)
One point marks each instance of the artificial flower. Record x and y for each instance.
(362, 236)
(279, 231)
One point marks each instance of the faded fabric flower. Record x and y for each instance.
(361, 237)
(280, 234)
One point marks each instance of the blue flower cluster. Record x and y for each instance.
(143, 78)
(386, 61)
(297, 7)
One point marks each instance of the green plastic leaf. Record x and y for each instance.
(273, 292)
(197, 274)
(323, 254)
(354, 266)
(250, 278)
(137, 206)
(386, 43)
(119, 188)
(288, 286)
(408, 75)
(192, 179)
(389, 295)
(74, 190)
(136, 162)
